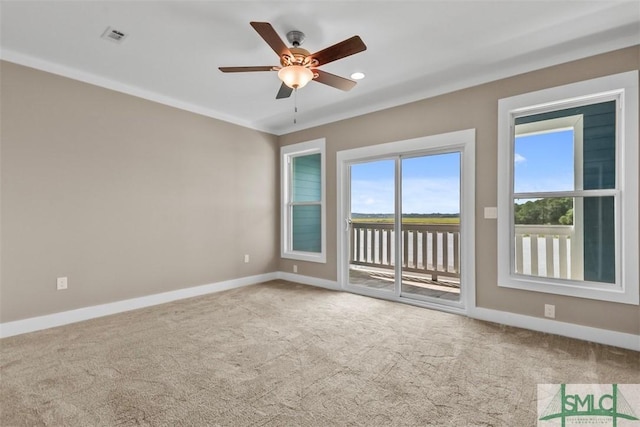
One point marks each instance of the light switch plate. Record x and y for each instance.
(490, 213)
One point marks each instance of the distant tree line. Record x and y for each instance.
(550, 211)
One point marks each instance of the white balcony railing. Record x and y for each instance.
(540, 250)
(432, 249)
(545, 250)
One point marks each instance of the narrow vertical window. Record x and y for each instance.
(306, 203)
(303, 213)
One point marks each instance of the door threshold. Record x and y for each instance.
(443, 305)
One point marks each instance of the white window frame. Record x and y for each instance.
(624, 88)
(287, 153)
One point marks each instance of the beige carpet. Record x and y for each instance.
(284, 354)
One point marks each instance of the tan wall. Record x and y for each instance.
(124, 196)
(477, 108)
(128, 198)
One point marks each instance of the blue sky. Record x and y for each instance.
(431, 184)
(544, 162)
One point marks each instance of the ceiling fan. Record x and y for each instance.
(298, 66)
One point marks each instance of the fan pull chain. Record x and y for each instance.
(295, 105)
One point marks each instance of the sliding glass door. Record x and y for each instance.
(371, 222)
(430, 238)
(427, 252)
(403, 223)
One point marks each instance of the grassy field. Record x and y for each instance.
(409, 220)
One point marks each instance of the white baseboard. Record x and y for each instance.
(308, 280)
(571, 330)
(18, 327)
(586, 333)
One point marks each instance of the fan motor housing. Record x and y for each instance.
(299, 56)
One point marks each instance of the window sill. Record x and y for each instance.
(305, 256)
(589, 290)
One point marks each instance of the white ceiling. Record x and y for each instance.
(415, 49)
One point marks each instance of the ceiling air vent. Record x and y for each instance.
(114, 35)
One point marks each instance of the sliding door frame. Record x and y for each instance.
(460, 141)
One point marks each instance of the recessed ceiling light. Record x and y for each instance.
(357, 76)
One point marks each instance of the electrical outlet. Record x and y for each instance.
(246, 258)
(61, 283)
(295, 268)
(550, 310)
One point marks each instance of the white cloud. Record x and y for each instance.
(518, 158)
(420, 195)
(372, 197)
(559, 182)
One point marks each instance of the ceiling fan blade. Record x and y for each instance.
(340, 50)
(245, 69)
(284, 92)
(272, 38)
(333, 80)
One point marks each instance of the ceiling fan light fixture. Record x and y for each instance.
(295, 76)
(297, 66)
